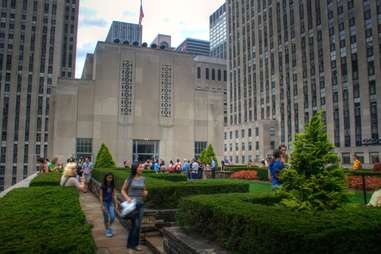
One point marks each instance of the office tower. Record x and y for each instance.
(194, 46)
(217, 32)
(289, 59)
(37, 45)
(151, 103)
(125, 32)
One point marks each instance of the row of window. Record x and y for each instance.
(213, 76)
(229, 147)
(243, 131)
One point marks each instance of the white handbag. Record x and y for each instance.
(127, 207)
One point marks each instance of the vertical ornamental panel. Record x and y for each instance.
(166, 91)
(126, 88)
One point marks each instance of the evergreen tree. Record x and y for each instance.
(104, 158)
(207, 155)
(314, 181)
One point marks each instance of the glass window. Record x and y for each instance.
(374, 157)
(346, 158)
(360, 156)
(84, 147)
(199, 146)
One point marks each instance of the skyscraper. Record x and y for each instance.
(195, 47)
(37, 45)
(124, 32)
(289, 59)
(217, 32)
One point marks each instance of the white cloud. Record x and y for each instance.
(178, 18)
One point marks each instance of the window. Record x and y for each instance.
(361, 157)
(213, 74)
(207, 73)
(257, 132)
(199, 146)
(249, 132)
(249, 146)
(374, 157)
(236, 134)
(198, 73)
(257, 145)
(242, 133)
(346, 158)
(84, 147)
(219, 75)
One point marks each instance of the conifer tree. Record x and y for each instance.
(104, 158)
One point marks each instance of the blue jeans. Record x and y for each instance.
(134, 233)
(109, 213)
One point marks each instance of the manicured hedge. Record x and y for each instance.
(164, 194)
(169, 177)
(50, 179)
(251, 223)
(44, 220)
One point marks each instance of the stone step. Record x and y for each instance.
(155, 244)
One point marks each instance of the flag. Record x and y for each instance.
(141, 16)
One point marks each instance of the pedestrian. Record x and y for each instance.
(178, 166)
(87, 168)
(222, 165)
(213, 167)
(134, 188)
(275, 168)
(283, 153)
(171, 167)
(356, 165)
(185, 168)
(195, 168)
(156, 166)
(109, 202)
(69, 178)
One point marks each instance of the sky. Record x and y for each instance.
(179, 18)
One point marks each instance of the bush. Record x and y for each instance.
(50, 179)
(44, 220)
(104, 158)
(245, 174)
(315, 182)
(207, 155)
(250, 223)
(169, 177)
(164, 194)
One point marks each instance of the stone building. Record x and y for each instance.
(289, 59)
(37, 45)
(142, 103)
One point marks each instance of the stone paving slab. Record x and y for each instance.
(115, 245)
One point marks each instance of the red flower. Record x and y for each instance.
(245, 174)
(371, 182)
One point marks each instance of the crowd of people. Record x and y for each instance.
(193, 169)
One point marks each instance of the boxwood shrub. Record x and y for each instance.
(164, 194)
(251, 223)
(50, 179)
(44, 220)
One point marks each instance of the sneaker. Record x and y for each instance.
(110, 230)
(108, 233)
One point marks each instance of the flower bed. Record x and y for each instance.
(44, 220)
(250, 223)
(164, 194)
(372, 182)
(262, 172)
(245, 174)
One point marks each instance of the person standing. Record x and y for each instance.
(185, 167)
(213, 167)
(87, 168)
(283, 153)
(275, 168)
(134, 188)
(108, 200)
(195, 169)
(356, 165)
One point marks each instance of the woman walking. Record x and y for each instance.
(134, 188)
(109, 202)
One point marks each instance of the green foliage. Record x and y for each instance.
(50, 179)
(207, 155)
(44, 220)
(104, 158)
(314, 181)
(251, 223)
(169, 177)
(165, 194)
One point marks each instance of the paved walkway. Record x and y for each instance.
(115, 245)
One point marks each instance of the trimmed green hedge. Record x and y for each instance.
(44, 220)
(251, 223)
(164, 194)
(169, 177)
(50, 179)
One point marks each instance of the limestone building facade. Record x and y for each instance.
(142, 103)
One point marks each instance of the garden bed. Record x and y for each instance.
(48, 179)
(252, 223)
(44, 220)
(165, 194)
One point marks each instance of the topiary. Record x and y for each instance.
(314, 181)
(104, 158)
(207, 155)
